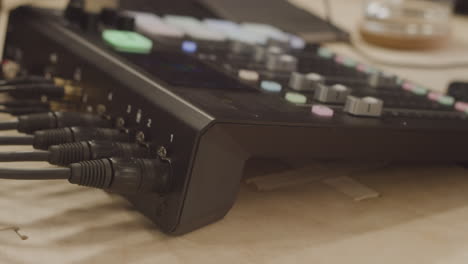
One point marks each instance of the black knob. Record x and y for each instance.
(109, 16)
(74, 11)
(125, 22)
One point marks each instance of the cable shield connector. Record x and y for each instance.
(123, 175)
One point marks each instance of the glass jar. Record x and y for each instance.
(407, 24)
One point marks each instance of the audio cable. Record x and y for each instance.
(66, 154)
(112, 174)
(25, 103)
(16, 111)
(43, 139)
(40, 121)
(41, 89)
(31, 79)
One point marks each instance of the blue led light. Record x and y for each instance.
(189, 47)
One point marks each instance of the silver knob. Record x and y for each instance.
(367, 106)
(261, 52)
(305, 82)
(283, 62)
(334, 94)
(239, 47)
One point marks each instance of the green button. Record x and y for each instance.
(446, 100)
(127, 41)
(349, 63)
(295, 98)
(419, 91)
(325, 53)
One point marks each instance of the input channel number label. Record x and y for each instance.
(138, 116)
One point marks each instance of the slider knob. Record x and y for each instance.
(284, 62)
(335, 94)
(367, 106)
(305, 82)
(261, 52)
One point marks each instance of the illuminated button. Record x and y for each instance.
(325, 53)
(461, 106)
(334, 95)
(419, 90)
(267, 31)
(271, 86)
(295, 98)
(261, 53)
(446, 100)
(248, 75)
(305, 82)
(367, 106)
(189, 46)
(220, 25)
(244, 36)
(434, 96)
(297, 42)
(366, 68)
(127, 41)
(348, 62)
(408, 86)
(153, 26)
(194, 28)
(322, 110)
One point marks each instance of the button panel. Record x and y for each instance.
(276, 62)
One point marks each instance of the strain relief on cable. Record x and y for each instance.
(156, 175)
(94, 173)
(43, 139)
(65, 119)
(34, 122)
(130, 150)
(69, 153)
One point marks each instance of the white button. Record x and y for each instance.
(247, 75)
(152, 26)
(220, 25)
(267, 31)
(194, 28)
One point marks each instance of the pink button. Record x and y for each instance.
(322, 110)
(340, 59)
(434, 96)
(362, 67)
(408, 86)
(461, 106)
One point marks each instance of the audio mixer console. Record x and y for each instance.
(208, 95)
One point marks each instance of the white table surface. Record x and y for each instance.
(421, 216)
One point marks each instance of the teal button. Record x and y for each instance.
(446, 100)
(349, 63)
(295, 98)
(127, 41)
(270, 86)
(325, 53)
(419, 91)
